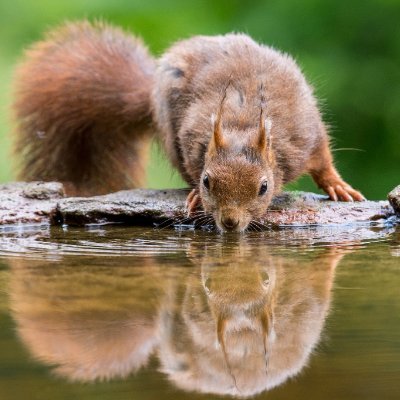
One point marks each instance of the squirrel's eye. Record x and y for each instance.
(206, 182)
(263, 188)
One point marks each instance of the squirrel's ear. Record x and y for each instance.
(264, 142)
(217, 141)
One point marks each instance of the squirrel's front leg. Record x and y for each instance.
(193, 202)
(328, 179)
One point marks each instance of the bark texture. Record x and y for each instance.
(44, 203)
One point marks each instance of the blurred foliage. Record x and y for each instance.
(350, 52)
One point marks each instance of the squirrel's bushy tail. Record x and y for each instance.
(82, 109)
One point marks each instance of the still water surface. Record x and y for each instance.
(130, 313)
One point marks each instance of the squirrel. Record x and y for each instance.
(236, 118)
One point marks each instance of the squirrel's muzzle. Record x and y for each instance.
(229, 223)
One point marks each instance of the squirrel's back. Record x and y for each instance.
(82, 106)
(195, 74)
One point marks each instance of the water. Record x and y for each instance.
(130, 313)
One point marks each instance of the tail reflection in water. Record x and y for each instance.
(237, 320)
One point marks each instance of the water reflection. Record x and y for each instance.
(230, 317)
(249, 322)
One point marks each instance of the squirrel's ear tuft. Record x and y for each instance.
(268, 135)
(264, 140)
(262, 136)
(217, 141)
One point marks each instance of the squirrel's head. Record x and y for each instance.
(237, 183)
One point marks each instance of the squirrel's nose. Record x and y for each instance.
(230, 223)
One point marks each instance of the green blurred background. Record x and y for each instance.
(349, 51)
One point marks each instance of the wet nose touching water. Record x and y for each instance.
(124, 313)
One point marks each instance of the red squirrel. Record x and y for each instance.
(236, 118)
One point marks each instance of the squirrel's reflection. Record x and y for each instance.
(241, 323)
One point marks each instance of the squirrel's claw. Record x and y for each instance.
(192, 202)
(331, 182)
(343, 192)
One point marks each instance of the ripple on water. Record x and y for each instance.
(123, 241)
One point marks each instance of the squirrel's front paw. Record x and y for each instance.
(340, 190)
(193, 202)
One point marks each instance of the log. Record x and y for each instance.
(394, 199)
(43, 203)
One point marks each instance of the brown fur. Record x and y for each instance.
(242, 81)
(86, 97)
(82, 104)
